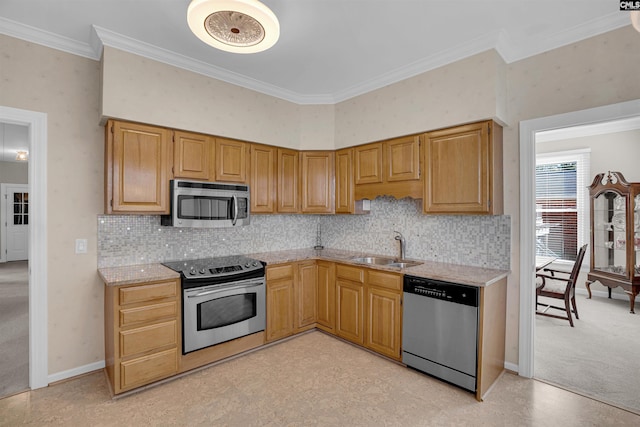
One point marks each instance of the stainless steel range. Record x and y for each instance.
(222, 299)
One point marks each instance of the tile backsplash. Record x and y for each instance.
(482, 241)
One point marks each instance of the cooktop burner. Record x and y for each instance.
(218, 267)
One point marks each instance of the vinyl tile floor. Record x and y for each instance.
(312, 379)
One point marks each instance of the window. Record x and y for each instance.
(562, 203)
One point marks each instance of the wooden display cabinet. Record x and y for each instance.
(615, 234)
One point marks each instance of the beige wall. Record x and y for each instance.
(14, 172)
(591, 73)
(66, 88)
(139, 89)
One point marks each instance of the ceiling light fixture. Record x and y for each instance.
(635, 19)
(22, 156)
(239, 26)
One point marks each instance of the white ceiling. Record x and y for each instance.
(329, 50)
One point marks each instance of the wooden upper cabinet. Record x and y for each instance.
(232, 160)
(193, 155)
(463, 170)
(402, 158)
(317, 181)
(368, 163)
(137, 165)
(287, 175)
(263, 179)
(344, 181)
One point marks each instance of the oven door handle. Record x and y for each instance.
(224, 288)
(235, 210)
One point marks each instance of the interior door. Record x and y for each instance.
(17, 220)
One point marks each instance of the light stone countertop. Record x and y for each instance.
(132, 274)
(462, 274)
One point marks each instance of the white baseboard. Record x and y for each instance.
(80, 370)
(511, 367)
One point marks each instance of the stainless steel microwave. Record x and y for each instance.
(207, 204)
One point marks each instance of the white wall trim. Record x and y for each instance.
(38, 305)
(528, 130)
(511, 366)
(80, 370)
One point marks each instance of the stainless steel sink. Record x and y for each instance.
(386, 261)
(403, 264)
(374, 260)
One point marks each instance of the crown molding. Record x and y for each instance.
(46, 38)
(507, 48)
(127, 44)
(514, 50)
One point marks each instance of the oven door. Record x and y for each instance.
(217, 313)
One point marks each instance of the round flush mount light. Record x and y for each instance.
(239, 26)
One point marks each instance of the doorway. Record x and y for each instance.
(14, 220)
(37, 239)
(528, 131)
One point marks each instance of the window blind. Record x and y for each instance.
(562, 203)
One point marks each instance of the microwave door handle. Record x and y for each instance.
(235, 210)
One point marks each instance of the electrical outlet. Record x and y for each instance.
(81, 246)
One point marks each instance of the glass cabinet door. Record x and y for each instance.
(610, 233)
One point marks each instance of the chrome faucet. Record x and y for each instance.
(400, 237)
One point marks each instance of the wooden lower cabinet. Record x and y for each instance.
(383, 310)
(326, 296)
(350, 303)
(142, 333)
(280, 301)
(306, 295)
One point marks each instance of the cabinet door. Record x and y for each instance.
(306, 293)
(263, 179)
(192, 155)
(460, 164)
(287, 173)
(368, 163)
(326, 296)
(344, 181)
(350, 314)
(402, 159)
(137, 168)
(317, 181)
(279, 309)
(383, 321)
(231, 160)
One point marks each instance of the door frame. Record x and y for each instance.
(4, 219)
(528, 130)
(38, 308)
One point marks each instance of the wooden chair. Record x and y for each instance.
(559, 287)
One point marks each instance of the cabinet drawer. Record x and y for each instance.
(150, 292)
(280, 272)
(147, 313)
(148, 368)
(147, 338)
(354, 274)
(384, 280)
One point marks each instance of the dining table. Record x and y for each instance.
(543, 261)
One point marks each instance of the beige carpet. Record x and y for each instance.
(599, 357)
(312, 380)
(14, 327)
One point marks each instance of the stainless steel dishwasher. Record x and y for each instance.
(440, 330)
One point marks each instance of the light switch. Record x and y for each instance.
(81, 246)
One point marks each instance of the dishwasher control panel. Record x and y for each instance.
(452, 292)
